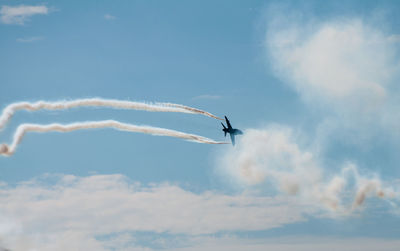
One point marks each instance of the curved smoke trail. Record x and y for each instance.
(9, 150)
(9, 111)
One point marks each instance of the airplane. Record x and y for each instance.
(232, 131)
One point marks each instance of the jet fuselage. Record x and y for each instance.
(232, 131)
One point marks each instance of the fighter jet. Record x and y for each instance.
(232, 131)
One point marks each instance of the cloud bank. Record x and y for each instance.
(96, 212)
(111, 212)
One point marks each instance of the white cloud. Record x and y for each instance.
(29, 39)
(345, 69)
(75, 211)
(109, 17)
(344, 64)
(20, 14)
(104, 212)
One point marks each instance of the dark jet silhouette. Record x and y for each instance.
(232, 131)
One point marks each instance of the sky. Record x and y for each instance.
(312, 84)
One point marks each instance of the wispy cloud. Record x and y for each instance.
(80, 209)
(21, 14)
(109, 17)
(208, 96)
(29, 39)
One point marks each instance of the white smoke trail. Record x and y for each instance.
(273, 157)
(191, 109)
(9, 150)
(9, 111)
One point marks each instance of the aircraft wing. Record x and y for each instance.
(228, 123)
(233, 138)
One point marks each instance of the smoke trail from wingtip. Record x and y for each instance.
(10, 110)
(9, 150)
(193, 110)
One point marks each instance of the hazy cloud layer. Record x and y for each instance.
(66, 212)
(21, 13)
(291, 244)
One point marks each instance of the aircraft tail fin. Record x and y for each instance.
(225, 130)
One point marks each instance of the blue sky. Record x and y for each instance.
(314, 86)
